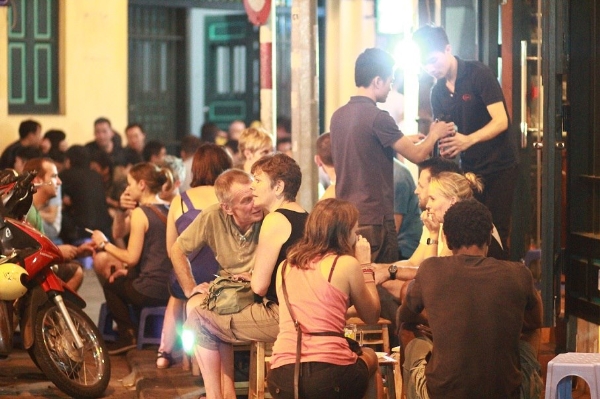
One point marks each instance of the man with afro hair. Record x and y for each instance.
(478, 308)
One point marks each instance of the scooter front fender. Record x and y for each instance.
(29, 305)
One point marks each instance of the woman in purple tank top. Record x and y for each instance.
(209, 162)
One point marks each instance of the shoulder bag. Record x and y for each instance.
(227, 296)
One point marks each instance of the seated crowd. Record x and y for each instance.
(160, 229)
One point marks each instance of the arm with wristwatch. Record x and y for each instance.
(393, 276)
(406, 269)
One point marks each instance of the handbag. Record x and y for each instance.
(354, 345)
(227, 296)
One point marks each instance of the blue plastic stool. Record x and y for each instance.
(105, 323)
(150, 326)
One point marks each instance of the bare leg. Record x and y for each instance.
(375, 388)
(103, 262)
(227, 373)
(210, 367)
(171, 324)
(75, 282)
(217, 371)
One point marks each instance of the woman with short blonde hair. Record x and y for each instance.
(254, 144)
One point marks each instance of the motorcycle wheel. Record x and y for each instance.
(81, 373)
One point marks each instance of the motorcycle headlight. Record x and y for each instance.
(12, 279)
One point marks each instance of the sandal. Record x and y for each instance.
(163, 360)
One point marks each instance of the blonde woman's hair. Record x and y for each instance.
(451, 184)
(253, 139)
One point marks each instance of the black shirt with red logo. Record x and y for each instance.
(476, 87)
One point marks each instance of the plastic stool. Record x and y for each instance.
(565, 365)
(105, 322)
(155, 329)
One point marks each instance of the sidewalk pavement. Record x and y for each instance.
(152, 383)
(174, 382)
(149, 382)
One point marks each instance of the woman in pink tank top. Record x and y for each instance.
(323, 279)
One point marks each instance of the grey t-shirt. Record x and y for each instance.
(362, 137)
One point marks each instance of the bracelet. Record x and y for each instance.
(368, 270)
(103, 244)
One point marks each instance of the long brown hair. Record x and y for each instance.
(209, 162)
(328, 230)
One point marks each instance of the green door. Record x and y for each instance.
(232, 70)
(157, 71)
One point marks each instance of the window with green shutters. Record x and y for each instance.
(33, 57)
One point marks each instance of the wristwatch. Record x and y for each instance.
(431, 241)
(393, 269)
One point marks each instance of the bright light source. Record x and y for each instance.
(388, 20)
(187, 341)
(406, 55)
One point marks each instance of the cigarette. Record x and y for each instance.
(89, 230)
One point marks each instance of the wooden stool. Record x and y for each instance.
(372, 334)
(260, 353)
(397, 372)
(388, 365)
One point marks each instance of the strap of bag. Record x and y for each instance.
(298, 332)
(299, 329)
(158, 213)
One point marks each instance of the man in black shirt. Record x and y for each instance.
(106, 140)
(468, 94)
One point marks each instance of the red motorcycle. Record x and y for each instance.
(59, 337)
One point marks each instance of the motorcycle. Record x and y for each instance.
(59, 337)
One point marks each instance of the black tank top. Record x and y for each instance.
(297, 220)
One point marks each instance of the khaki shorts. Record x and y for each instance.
(415, 360)
(256, 322)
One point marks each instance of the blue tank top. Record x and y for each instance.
(203, 262)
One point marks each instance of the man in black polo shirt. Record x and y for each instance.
(468, 94)
(364, 140)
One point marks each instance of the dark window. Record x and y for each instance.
(33, 57)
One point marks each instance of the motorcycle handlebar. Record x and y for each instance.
(18, 196)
